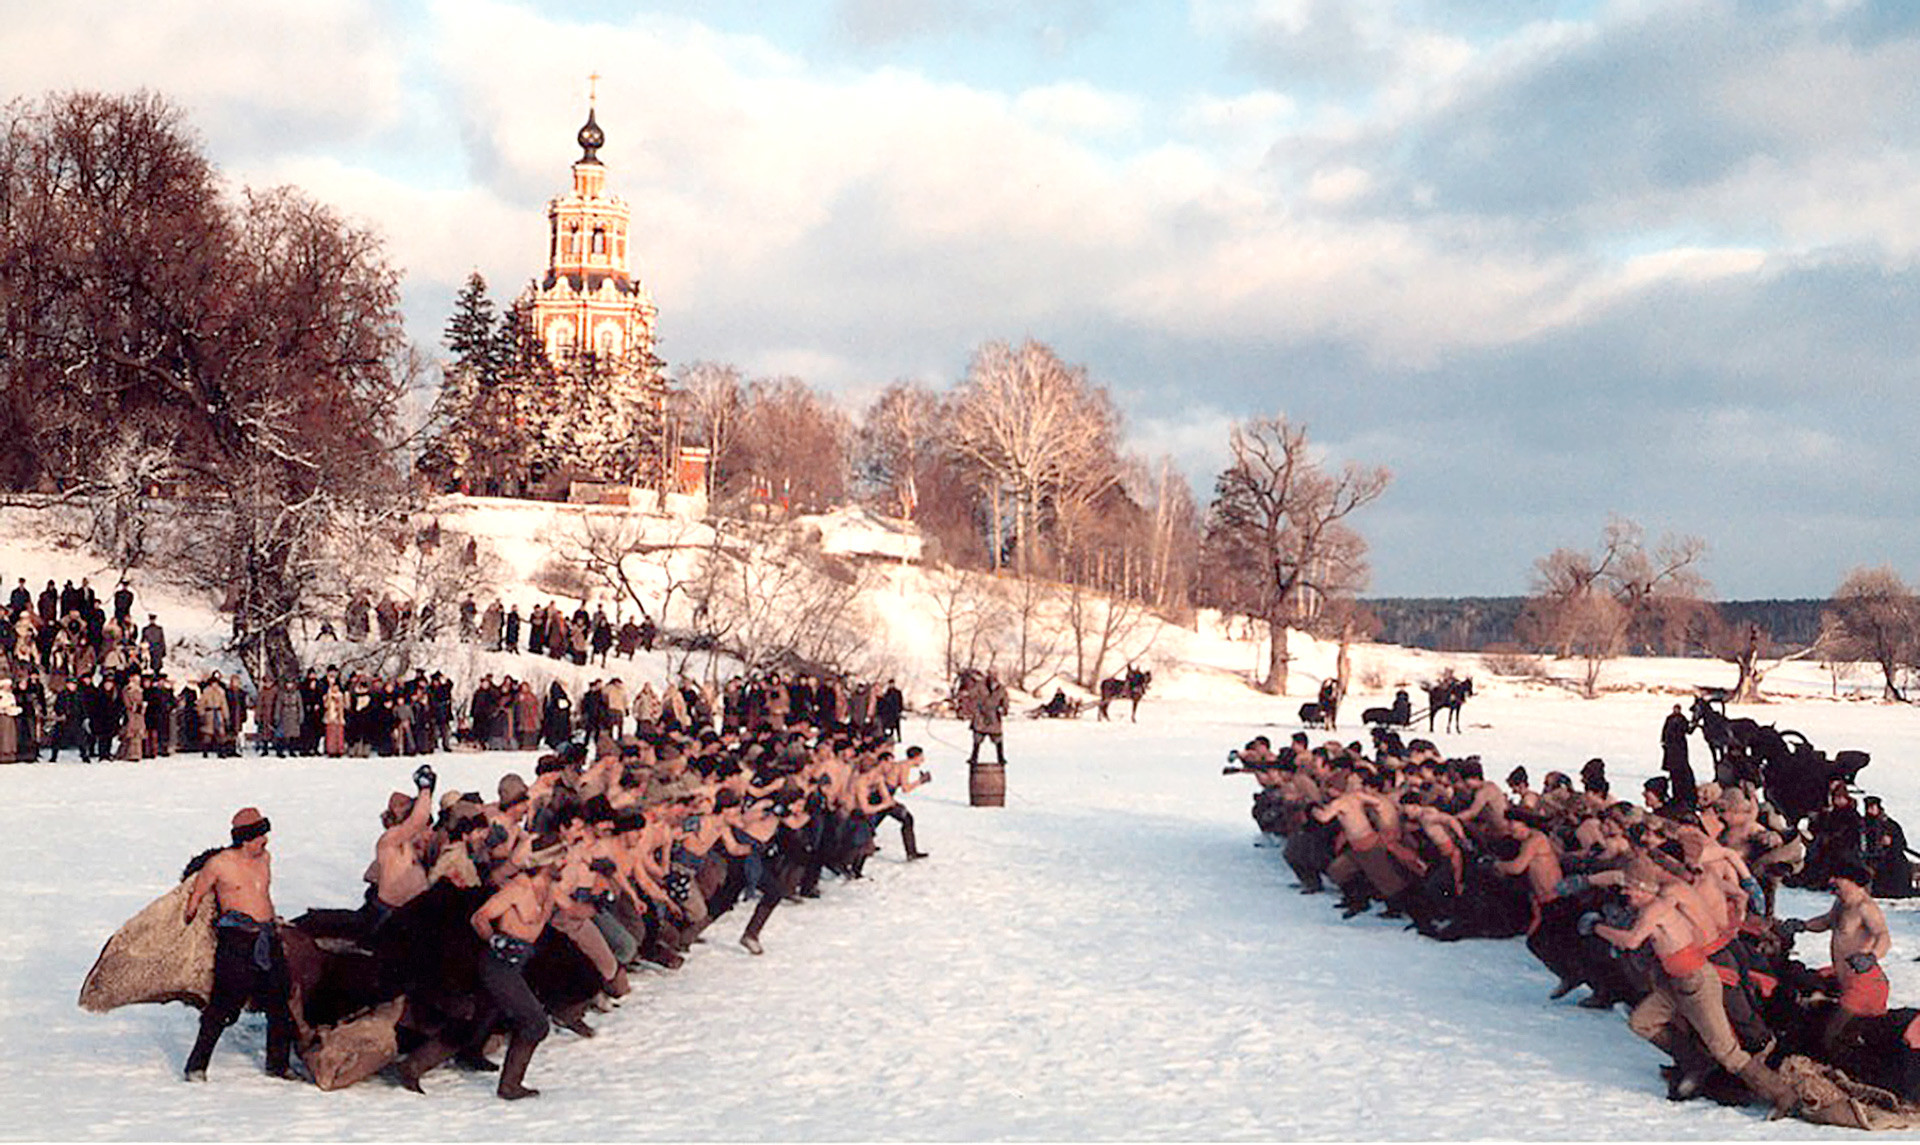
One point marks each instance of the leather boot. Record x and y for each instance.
(762, 911)
(415, 1065)
(574, 1020)
(1420, 909)
(907, 837)
(514, 1072)
(1353, 900)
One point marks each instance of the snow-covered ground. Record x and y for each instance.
(1108, 956)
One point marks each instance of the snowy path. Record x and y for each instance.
(1107, 957)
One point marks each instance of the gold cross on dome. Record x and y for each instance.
(593, 83)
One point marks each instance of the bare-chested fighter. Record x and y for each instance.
(510, 923)
(1486, 816)
(1686, 1000)
(898, 777)
(1368, 854)
(1442, 830)
(399, 874)
(248, 963)
(1859, 940)
(1538, 863)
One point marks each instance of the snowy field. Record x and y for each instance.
(1108, 957)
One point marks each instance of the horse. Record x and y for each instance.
(1132, 687)
(1322, 712)
(1448, 695)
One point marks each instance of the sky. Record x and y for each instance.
(1547, 262)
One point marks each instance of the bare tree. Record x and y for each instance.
(899, 439)
(972, 619)
(774, 602)
(1653, 598)
(1747, 646)
(1031, 607)
(1876, 618)
(1661, 588)
(1175, 537)
(642, 561)
(1032, 428)
(1277, 541)
(711, 399)
(793, 446)
(1103, 626)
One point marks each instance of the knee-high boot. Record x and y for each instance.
(417, 1064)
(514, 1072)
(761, 913)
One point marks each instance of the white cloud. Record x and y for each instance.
(254, 74)
(1077, 108)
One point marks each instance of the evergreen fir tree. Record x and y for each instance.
(470, 332)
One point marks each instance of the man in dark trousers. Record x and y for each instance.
(1673, 757)
(248, 963)
(985, 713)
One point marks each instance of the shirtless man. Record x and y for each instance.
(1859, 940)
(510, 923)
(504, 836)
(399, 876)
(248, 964)
(1442, 830)
(1538, 863)
(1686, 999)
(899, 776)
(1367, 853)
(1486, 815)
(580, 892)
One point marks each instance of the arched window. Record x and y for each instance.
(599, 240)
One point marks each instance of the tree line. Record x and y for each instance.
(1629, 596)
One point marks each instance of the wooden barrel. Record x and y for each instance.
(987, 785)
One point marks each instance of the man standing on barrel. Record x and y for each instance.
(986, 708)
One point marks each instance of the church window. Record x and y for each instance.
(599, 240)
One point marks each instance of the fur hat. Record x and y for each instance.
(512, 789)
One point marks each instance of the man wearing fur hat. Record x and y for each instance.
(248, 963)
(398, 874)
(1859, 940)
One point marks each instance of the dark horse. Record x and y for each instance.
(1794, 773)
(1448, 695)
(1130, 687)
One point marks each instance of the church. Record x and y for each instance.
(595, 321)
(589, 302)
